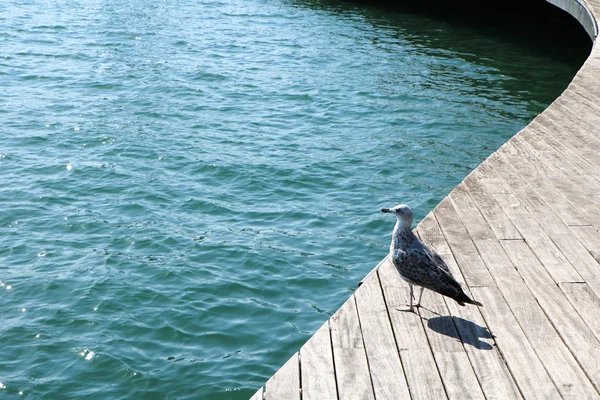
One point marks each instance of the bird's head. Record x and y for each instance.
(402, 212)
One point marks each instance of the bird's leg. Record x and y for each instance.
(410, 297)
(420, 295)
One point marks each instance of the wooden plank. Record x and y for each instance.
(351, 367)
(258, 395)
(555, 262)
(536, 174)
(316, 366)
(529, 196)
(580, 102)
(473, 270)
(489, 178)
(590, 238)
(556, 148)
(421, 371)
(487, 362)
(585, 302)
(586, 119)
(447, 339)
(567, 177)
(429, 231)
(285, 384)
(490, 368)
(553, 259)
(570, 171)
(552, 352)
(582, 342)
(450, 356)
(585, 265)
(581, 86)
(586, 82)
(580, 210)
(573, 133)
(491, 210)
(478, 226)
(387, 374)
(578, 112)
(575, 100)
(561, 154)
(526, 368)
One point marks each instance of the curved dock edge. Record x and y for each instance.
(581, 12)
(522, 235)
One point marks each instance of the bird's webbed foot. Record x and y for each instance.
(412, 308)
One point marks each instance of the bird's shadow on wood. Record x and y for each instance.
(459, 328)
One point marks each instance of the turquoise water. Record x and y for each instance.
(188, 190)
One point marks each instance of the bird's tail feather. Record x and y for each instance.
(475, 302)
(462, 298)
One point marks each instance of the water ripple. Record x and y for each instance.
(181, 208)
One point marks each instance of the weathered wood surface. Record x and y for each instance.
(258, 395)
(417, 357)
(490, 370)
(387, 373)
(521, 233)
(285, 384)
(351, 366)
(316, 367)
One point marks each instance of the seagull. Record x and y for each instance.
(420, 265)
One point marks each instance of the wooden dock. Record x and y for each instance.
(522, 235)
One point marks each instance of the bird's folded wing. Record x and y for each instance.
(421, 269)
(436, 258)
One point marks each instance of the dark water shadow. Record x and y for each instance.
(534, 25)
(459, 328)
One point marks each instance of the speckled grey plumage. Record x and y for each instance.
(418, 264)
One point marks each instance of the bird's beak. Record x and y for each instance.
(386, 210)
